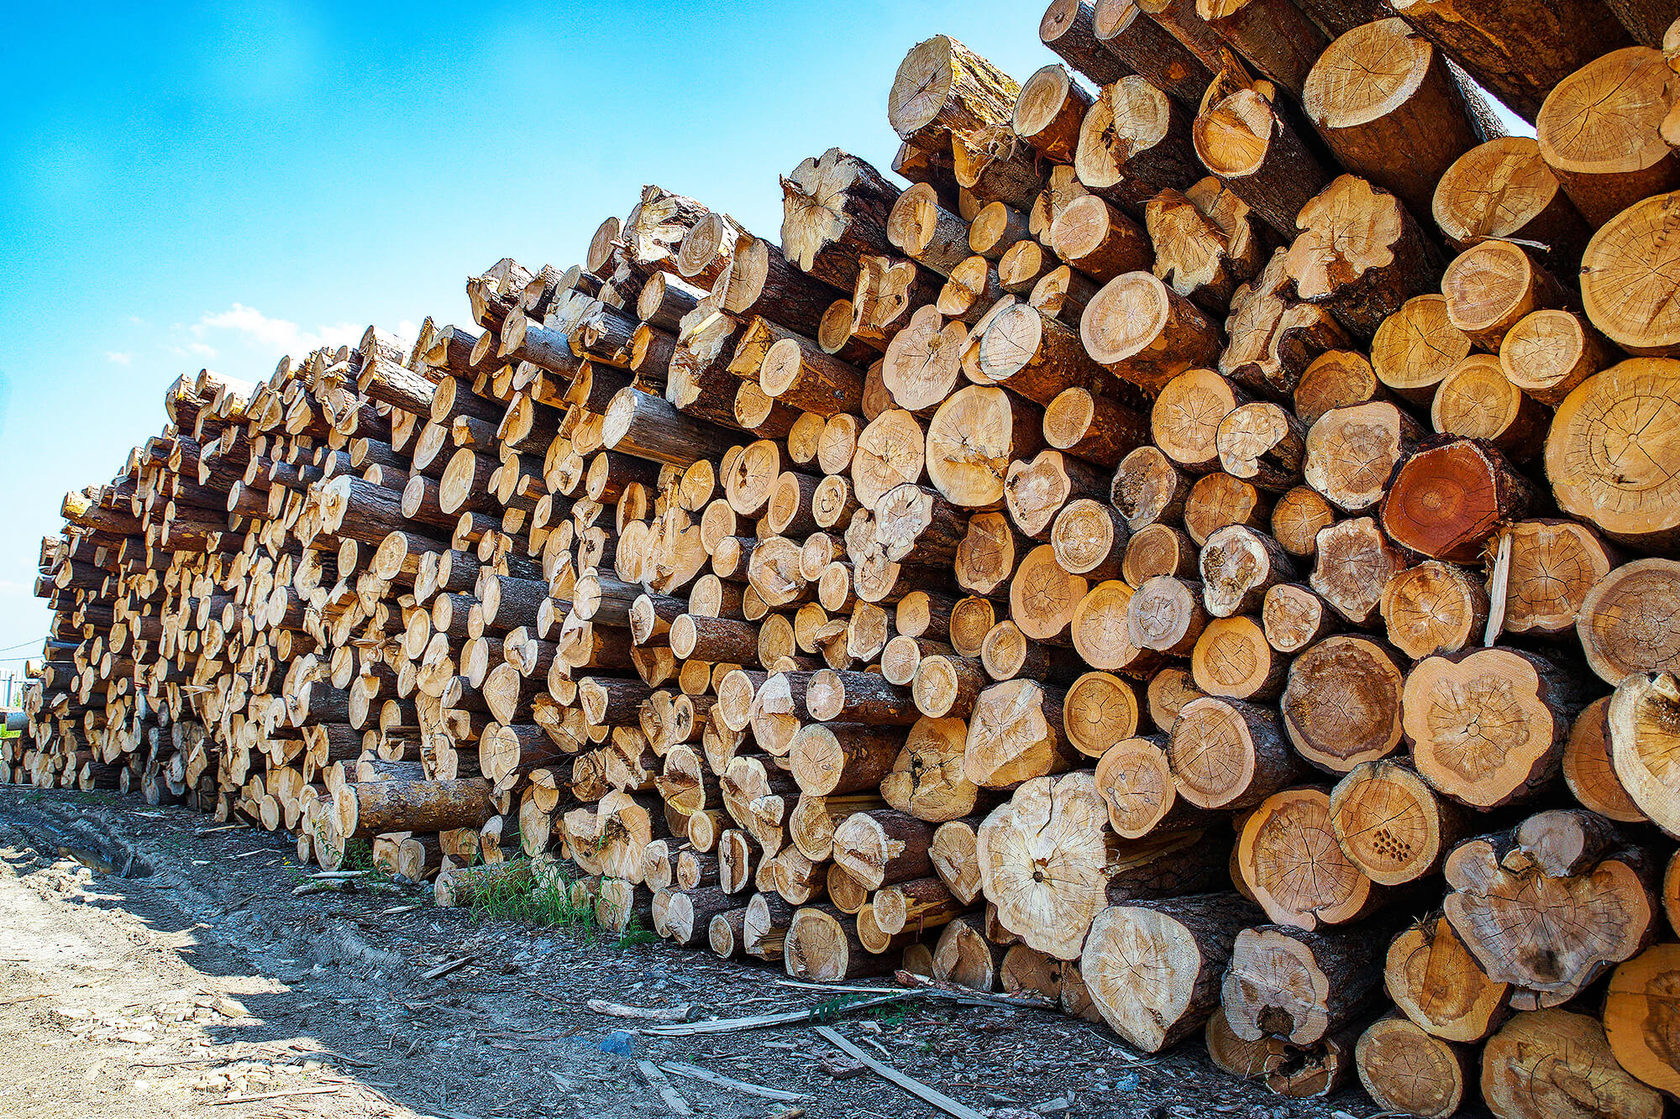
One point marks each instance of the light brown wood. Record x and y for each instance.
(1600, 132)
(1558, 1064)
(1406, 1070)
(1438, 984)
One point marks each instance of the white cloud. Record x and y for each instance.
(274, 336)
(200, 349)
(119, 358)
(408, 330)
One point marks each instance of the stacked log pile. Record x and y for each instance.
(1200, 554)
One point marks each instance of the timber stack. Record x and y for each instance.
(1200, 552)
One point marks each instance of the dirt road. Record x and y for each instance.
(148, 969)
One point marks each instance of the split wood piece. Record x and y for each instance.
(1587, 768)
(1434, 607)
(1438, 984)
(1184, 420)
(971, 440)
(1623, 625)
(1297, 517)
(1641, 720)
(1295, 617)
(1298, 985)
(1549, 352)
(1048, 112)
(1134, 142)
(1487, 726)
(1146, 333)
(1254, 149)
(1629, 497)
(1153, 968)
(1383, 88)
(1100, 709)
(1447, 500)
(1238, 566)
(1342, 705)
(1207, 242)
(1134, 777)
(1147, 49)
(965, 957)
(834, 210)
(1229, 754)
(1015, 733)
(1503, 189)
(1360, 254)
(926, 779)
(1600, 907)
(1624, 283)
(1232, 659)
(1068, 28)
(1410, 1072)
(1554, 1064)
(1096, 238)
(1034, 355)
(1635, 1012)
(1477, 401)
(1090, 538)
(1416, 347)
(1600, 131)
(1274, 336)
(1352, 452)
(1264, 444)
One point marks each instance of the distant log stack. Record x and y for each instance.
(1202, 553)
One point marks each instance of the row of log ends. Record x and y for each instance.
(1201, 554)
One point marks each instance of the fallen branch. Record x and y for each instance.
(908, 1083)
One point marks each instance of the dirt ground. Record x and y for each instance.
(153, 966)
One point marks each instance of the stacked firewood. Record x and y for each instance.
(1196, 555)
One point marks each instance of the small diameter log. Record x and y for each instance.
(1068, 28)
(1335, 378)
(1487, 726)
(926, 232)
(1245, 140)
(1383, 88)
(965, 957)
(1015, 733)
(1491, 285)
(1599, 907)
(1296, 518)
(1298, 985)
(1447, 500)
(1145, 333)
(1342, 705)
(1360, 254)
(1294, 617)
(1476, 401)
(1503, 188)
(1289, 858)
(1547, 353)
(1100, 709)
(1263, 444)
(1034, 356)
(1600, 131)
(1390, 824)
(1437, 983)
(1159, 549)
(1042, 596)
(1355, 561)
(858, 697)
(882, 846)
(1166, 614)
(1149, 50)
(1587, 768)
(1048, 111)
(1641, 720)
(1625, 281)
(1233, 659)
(926, 779)
(649, 427)
(947, 684)
(1416, 347)
(1410, 1072)
(842, 758)
(822, 946)
(1238, 566)
(365, 809)
(942, 88)
(1096, 238)
(1089, 538)
(1229, 754)
(1101, 631)
(1276, 36)
(1352, 451)
(1153, 969)
(1134, 777)
(955, 860)
(1184, 421)
(1554, 1064)
(1218, 500)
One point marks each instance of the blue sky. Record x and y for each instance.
(199, 185)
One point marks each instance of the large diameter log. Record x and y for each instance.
(942, 88)
(1146, 333)
(1015, 733)
(1291, 862)
(1298, 985)
(1355, 562)
(1446, 500)
(1600, 130)
(1153, 968)
(368, 808)
(926, 779)
(1487, 726)
(1625, 279)
(1434, 607)
(1554, 1064)
(971, 440)
(1531, 203)
(1352, 452)
(822, 946)
(1631, 497)
(1416, 347)
(1410, 1072)
(1637, 1017)
(1547, 353)
(1043, 859)
(1360, 253)
(1383, 88)
(834, 209)
(1438, 984)
(1551, 934)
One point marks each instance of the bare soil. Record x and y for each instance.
(151, 966)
